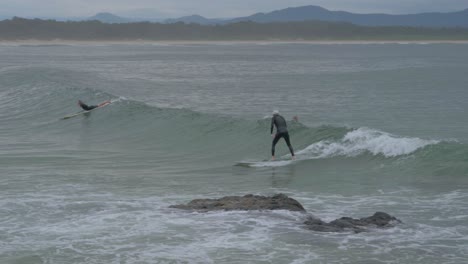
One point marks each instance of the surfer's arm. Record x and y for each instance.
(272, 123)
(104, 103)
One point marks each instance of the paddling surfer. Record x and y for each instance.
(281, 132)
(90, 107)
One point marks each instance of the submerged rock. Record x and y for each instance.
(247, 202)
(379, 219)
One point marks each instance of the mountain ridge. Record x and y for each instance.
(311, 13)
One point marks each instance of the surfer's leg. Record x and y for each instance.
(273, 144)
(82, 105)
(286, 138)
(85, 106)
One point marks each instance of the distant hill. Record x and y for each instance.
(307, 13)
(109, 18)
(37, 29)
(194, 19)
(304, 13)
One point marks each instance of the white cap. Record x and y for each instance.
(275, 112)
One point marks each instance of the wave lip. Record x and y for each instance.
(363, 140)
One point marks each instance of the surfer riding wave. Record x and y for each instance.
(281, 132)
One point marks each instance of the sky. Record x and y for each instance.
(212, 8)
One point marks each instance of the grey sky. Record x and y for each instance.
(213, 8)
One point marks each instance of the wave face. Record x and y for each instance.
(35, 108)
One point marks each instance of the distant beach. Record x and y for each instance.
(218, 42)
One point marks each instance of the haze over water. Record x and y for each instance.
(382, 127)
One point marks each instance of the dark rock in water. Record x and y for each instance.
(379, 219)
(247, 202)
(283, 202)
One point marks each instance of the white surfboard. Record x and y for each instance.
(106, 103)
(264, 163)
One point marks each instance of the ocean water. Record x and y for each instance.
(382, 127)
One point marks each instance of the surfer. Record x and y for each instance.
(87, 108)
(90, 107)
(281, 132)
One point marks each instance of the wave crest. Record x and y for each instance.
(363, 140)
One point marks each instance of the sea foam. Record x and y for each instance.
(363, 140)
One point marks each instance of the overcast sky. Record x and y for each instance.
(213, 8)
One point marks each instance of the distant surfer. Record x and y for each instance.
(91, 107)
(87, 108)
(281, 132)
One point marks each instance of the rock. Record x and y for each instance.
(247, 202)
(283, 202)
(379, 219)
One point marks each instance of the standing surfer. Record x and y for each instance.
(281, 132)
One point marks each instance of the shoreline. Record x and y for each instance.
(220, 42)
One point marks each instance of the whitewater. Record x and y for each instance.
(380, 128)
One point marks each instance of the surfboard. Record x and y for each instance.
(264, 163)
(105, 103)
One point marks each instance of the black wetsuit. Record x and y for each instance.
(281, 132)
(86, 107)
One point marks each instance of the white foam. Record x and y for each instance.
(119, 99)
(352, 144)
(364, 140)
